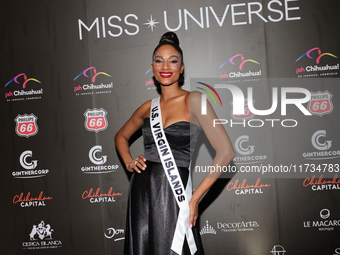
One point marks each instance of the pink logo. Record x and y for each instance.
(85, 73)
(15, 79)
(320, 55)
(242, 61)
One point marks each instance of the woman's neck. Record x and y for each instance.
(171, 91)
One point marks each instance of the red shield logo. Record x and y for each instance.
(95, 119)
(320, 103)
(26, 125)
(247, 113)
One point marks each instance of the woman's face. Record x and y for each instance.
(167, 65)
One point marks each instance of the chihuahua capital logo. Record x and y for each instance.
(15, 79)
(320, 55)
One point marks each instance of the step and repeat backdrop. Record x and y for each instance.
(74, 71)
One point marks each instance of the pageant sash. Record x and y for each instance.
(181, 194)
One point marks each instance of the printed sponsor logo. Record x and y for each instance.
(239, 14)
(247, 113)
(26, 125)
(237, 226)
(30, 166)
(99, 197)
(327, 223)
(41, 238)
(278, 250)
(96, 157)
(208, 229)
(337, 251)
(319, 184)
(246, 151)
(117, 234)
(320, 103)
(320, 142)
(240, 61)
(30, 201)
(94, 87)
(95, 119)
(318, 69)
(29, 91)
(243, 188)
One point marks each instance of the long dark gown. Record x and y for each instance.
(152, 209)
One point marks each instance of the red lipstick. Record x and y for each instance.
(165, 74)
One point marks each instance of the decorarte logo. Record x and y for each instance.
(26, 125)
(30, 166)
(24, 94)
(316, 70)
(28, 201)
(240, 63)
(92, 88)
(43, 232)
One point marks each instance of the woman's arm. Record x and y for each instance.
(219, 140)
(123, 135)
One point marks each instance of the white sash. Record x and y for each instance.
(182, 195)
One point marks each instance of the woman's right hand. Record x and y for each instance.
(137, 164)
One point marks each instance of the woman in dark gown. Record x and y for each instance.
(152, 207)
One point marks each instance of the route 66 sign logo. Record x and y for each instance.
(247, 113)
(26, 125)
(320, 103)
(95, 119)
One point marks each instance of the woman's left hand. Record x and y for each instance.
(193, 206)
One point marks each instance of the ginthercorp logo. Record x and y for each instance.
(21, 80)
(98, 197)
(244, 187)
(96, 157)
(117, 234)
(95, 120)
(240, 226)
(337, 251)
(327, 223)
(240, 61)
(278, 250)
(246, 150)
(41, 238)
(30, 201)
(92, 87)
(320, 103)
(315, 55)
(26, 125)
(27, 162)
(93, 155)
(243, 108)
(322, 144)
(207, 229)
(319, 184)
